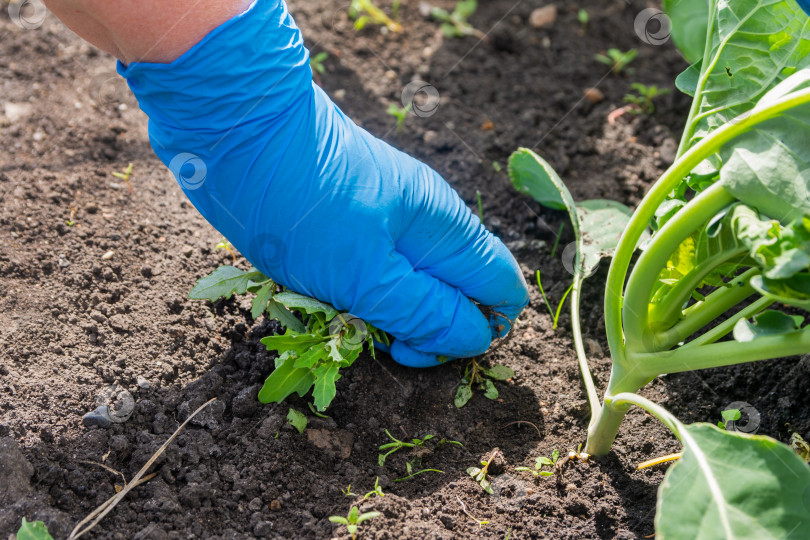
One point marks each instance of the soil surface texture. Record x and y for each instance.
(96, 270)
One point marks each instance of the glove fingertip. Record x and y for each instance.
(410, 357)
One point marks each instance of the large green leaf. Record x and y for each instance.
(597, 224)
(690, 19)
(769, 167)
(298, 343)
(730, 485)
(754, 44)
(223, 282)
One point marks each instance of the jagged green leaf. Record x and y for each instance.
(223, 282)
(286, 379)
(306, 304)
(261, 299)
(324, 390)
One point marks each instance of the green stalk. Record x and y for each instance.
(652, 260)
(715, 305)
(582, 358)
(727, 353)
(727, 326)
(663, 415)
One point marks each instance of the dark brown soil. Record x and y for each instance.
(104, 301)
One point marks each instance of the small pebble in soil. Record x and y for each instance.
(275, 505)
(100, 417)
(107, 256)
(543, 16)
(143, 383)
(594, 95)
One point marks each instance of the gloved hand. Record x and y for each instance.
(317, 203)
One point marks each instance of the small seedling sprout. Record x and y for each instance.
(541, 462)
(616, 59)
(476, 374)
(316, 63)
(480, 206)
(583, 18)
(555, 315)
(454, 24)
(479, 474)
(348, 491)
(400, 113)
(557, 240)
(365, 11)
(412, 471)
(480, 522)
(353, 520)
(729, 415)
(125, 176)
(224, 244)
(643, 99)
(377, 491)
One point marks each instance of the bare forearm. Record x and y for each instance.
(144, 30)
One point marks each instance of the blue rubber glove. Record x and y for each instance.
(317, 203)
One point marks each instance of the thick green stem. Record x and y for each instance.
(715, 305)
(728, 325)
(663, 415)
(605, 421)
(727, 353)
(646, 271)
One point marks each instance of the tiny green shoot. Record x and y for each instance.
(125, 176)
(365, 11)
(557, 240)
(316, 63)
(497, 166)
(616, 59)
(643, 99)
(348, 491)
(297, 420)
(555, 315)
(377, 491)
(412, 471)
(583, 18)
(353, 520)
(541, 462)
(729, 415)
(480, 474)
(480, 206)
(224, 244)
(476, 374)
(454, 24)
(400, 113)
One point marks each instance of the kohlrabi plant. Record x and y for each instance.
(723, 272)
(312, 351)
